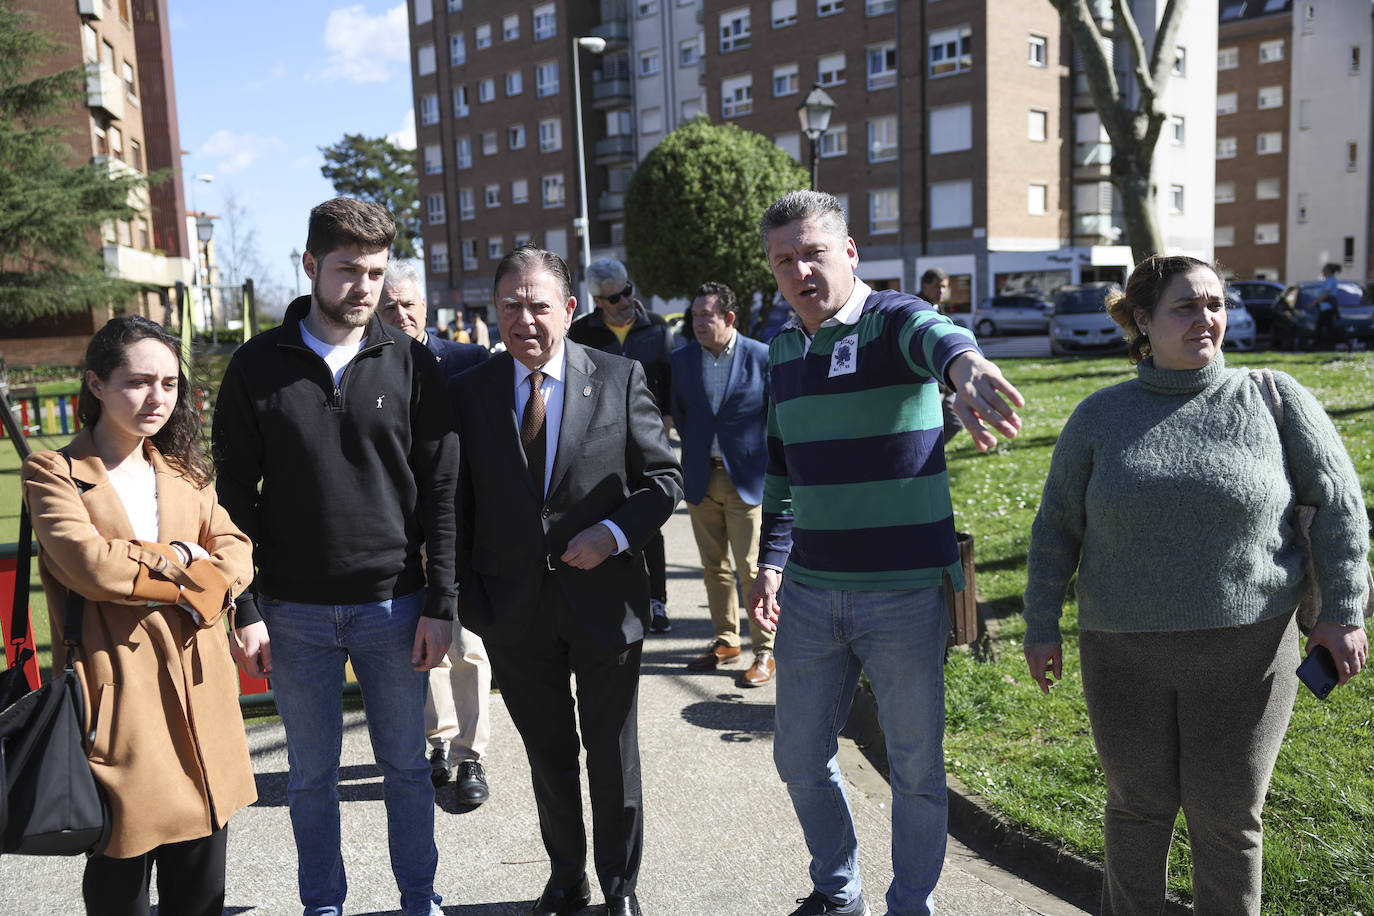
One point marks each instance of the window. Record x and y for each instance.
(552, 190)
(1354, 59)
(1348, 250)
(91, 42)
(1302, 207)
(736, 96)
(882, 138)
(434, 159)
(515, 136)
(784, 13)
(1037, 198)
(486, 90)
(1227, 103)
(117, 143)
(1037, 51)
(515, 83)
(1037, 125)
(790, 143)
(469, 254)
(144, 236)
(136, 157)
(467, 203)
(1269, 142)
(951, 51)
(125, 234)
(463, 149)
(1270, 97)
(830, 69)
(550, 135)
(619, 123)
(1226, 147)
(482, 36)
(491, 195)
(687, 53)
(1180, 61)
(1228, 58)
(883, 211)
(1304, 114)
(424, 11)
(1352, 156)
(829, 7)
(438, 257)
(546, 78)
(1268, 189)
(882, 65)
(460, 102)
(424, 59)
(495, 248)
(1269, 52)
(131, 90)
(545, 22)
(834, 142)
(1266, 233)
(455, 6)
(691, 108)
(519, 191)
(734, 29)
(651, 121)
(1175, 198)
(1309, 14)
(649, 63)
(951, 129)
(523, 238)
(457, 49)
(1176, 130)
(434, 209)
(785, 80)
(429, 109)
(1225, 192)
(1224, 236)
(488, 143)
(951, 204)
(646, 8)
(879, 7)
(510, 27)
(99, 141)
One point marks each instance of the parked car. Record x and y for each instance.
(1080, 323)
(1240, 324)
(1258, 297)
(1028, 312)
(1295, 315)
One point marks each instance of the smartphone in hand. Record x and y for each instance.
(1318, 672)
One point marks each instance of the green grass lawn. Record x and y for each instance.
(1032, 756)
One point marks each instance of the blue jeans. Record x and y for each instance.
(825, 637)
(310, 644)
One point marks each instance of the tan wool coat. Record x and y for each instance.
(164, 733)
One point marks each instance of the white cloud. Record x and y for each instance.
(227, 152)
(364, 48)
(404, 137)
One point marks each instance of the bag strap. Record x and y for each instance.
(19, 607)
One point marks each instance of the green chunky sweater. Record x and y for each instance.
(1167, 494)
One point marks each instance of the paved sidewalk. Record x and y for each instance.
(720, 837)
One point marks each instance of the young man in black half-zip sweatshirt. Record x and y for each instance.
(335, 455)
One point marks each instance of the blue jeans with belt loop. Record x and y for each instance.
(825, 638)
(310, 644)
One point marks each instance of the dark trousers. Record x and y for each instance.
(190, 880)
(533, 676)
(656, 556)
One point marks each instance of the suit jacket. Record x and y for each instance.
(741, 423)
(613, 462)
(455, 358)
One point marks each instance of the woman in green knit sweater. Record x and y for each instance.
(1169, 497)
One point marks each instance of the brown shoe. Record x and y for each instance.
(761, 671)
(718, 653)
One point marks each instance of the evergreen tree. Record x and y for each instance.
(376, 170)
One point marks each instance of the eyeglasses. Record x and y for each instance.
(623, 294)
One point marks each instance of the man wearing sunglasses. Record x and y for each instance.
(620, 324)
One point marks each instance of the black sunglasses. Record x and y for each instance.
(623, 294)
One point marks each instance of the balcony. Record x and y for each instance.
(615, 150)
(611, 93)
(138, 196)
(146, 267)
(104, 90)
(1092, 161)
(93, 8)
(1096, 229)
(610, 206)
(616, 33)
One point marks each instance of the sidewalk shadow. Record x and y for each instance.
(512, 908)
(736, 720)
(358, 782)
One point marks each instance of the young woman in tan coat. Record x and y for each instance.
(125, 517)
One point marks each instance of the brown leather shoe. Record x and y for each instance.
(718, 653)
(761, 671)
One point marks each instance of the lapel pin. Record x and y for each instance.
(587, 391)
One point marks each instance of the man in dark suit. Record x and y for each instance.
(720, 409)
(565, 474)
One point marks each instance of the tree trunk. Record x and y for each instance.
(1134, 180)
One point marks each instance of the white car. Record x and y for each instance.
(1080, 323)
(1240, 324)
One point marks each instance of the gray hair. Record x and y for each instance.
(398, 272)
(606, 270)
(797, 205)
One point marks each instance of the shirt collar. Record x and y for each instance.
(552, 369)
(848, 314)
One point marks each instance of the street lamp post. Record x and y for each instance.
(814, 114)
(205, 229)
(583, 222)
(296, 263)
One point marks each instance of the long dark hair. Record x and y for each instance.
(179, 438)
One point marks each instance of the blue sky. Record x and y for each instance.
(260, 86)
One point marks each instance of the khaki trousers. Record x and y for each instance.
(458, 702)
(724, 524)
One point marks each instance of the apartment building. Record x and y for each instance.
(127, 123)
(1294, 124)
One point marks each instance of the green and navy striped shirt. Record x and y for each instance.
(856, 494)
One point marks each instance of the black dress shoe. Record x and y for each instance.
(623, 906)
(439, 770)
(472, 783)
(560, 901)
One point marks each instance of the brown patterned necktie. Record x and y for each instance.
(533, 435)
